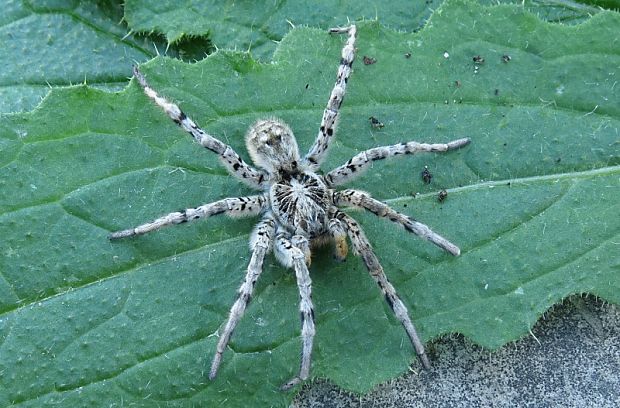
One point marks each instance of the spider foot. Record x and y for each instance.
(122, 234)
(340, 30)
(293, 382)
(139, 76)
(424, 360)
(456, 144)
(215, 365)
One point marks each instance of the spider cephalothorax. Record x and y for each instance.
(300, 201)
(299, 207)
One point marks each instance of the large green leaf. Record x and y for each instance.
(533, 203)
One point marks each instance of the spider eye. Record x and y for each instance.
(273, 140)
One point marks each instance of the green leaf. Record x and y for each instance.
(259, 26)
(46, 43)
(561, 11)
(532, 203)
(50, 43)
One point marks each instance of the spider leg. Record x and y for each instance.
(361, 161)
(338, 231)
(229, 158)
(291, 253)
(364, 249)
(260, 243)
(330, 115)
(361, 199)
(240, 206)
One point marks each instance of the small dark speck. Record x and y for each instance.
(369, 60)
(559, 159)
(426, 175)
(405, 205)
(506, 58)
(375, 123)
(457, 83)
(496, 92)
(478, 59)
(442, 196)
(307, 85)
(407, 55)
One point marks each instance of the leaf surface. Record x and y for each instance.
(533, 204)
(52, 43)
(259, 26)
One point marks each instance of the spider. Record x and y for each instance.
(298, 207)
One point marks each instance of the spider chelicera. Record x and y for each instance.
(299, 208)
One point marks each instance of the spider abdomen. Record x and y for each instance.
(300, 203)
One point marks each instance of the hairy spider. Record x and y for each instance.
(298, 207)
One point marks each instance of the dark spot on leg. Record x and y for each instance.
(184, 215)
(389, 301)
